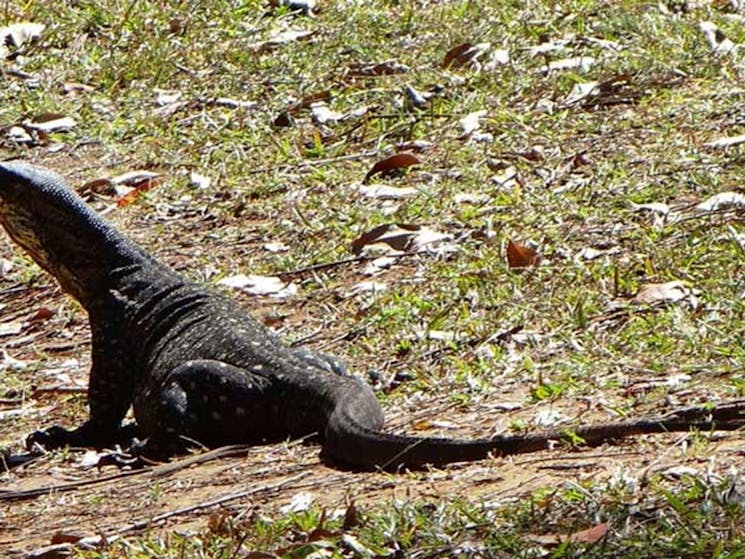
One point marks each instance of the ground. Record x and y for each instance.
(576, 256)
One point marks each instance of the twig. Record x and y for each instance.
(323, 266)
(140, 524)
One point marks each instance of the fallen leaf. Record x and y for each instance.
(719, 43)
(19, 33)
(471, 122)
(415, 97)
(548, 417)
(10, 363)
(722, 201)
(299, 502)
(726, 142)
(130, 185)
(322, 114)
(466, 54)
(276, 247)
(670, 291)
(389, 165)
(398, 238)
(654, 207)
(201, 182)
(582, 63)
(74, 88)
(19, 135)
(475, 199)
(282, 37)
(386, 192)
(521, 256)
(591, 535)
(677, 472)
(42, 314)
(261, 285)
(455, 55)
(581, 91)
(51, 122)
(498, 57)
(366, 287)
(6, 267)
(63, 538)
(11, 328)
(386, 68)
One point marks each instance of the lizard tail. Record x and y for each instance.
(353, 439)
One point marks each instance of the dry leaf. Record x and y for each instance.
(201, 182)
(670, 291)
(471, 122)
(455, 56)
(521, 256)
(51, 122)
(366, 287)
(464, 54)
(398, 238)
(581, 63)
(386, 192)
(261, 285)
(726, 142)
(387, 68)
(322, 114)
(11, 328)
(388, 166)
(19, 33)
(299, 502)
(415, 97)
(722, 201)
(130, 185)
(591, 535)
(581, 91)
(718, 42)
(74, 88)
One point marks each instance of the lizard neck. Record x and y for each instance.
(60, 232)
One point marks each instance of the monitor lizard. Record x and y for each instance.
(196, 366)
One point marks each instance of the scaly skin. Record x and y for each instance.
(195, 365)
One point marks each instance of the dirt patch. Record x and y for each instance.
(267, 478)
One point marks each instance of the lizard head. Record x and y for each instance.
(57, 229)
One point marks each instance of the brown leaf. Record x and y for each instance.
(386, 68)
(137, 189)
(591, 535)
(521, 256)
(351, 518)
(102, 186)
(385, 167)
(66, 537)
(398, 238)
(42, 314)
(457, 56)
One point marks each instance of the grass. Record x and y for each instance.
(579, 344)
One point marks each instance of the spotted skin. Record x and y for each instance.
(197, 367)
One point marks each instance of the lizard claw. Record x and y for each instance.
(48, 439)
(122, 460)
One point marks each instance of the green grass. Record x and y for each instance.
(298, 185)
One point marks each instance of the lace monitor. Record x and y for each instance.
(194, 365)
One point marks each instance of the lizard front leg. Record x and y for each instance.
(110, 389)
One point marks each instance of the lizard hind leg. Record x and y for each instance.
(207, 402)
(322, 361)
